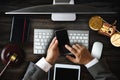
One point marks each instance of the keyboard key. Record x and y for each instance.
(42, 38)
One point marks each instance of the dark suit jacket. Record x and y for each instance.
(98, 71)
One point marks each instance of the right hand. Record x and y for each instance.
(81, 53)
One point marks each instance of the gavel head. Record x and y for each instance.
(14, 53)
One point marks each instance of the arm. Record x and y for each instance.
(96, 68)
(39, 70)
(99, 71)
(34, 72)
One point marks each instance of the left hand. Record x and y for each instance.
(52, 52)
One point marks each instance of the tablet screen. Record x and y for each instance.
(66, 74)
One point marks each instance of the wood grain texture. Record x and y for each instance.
(111, 54)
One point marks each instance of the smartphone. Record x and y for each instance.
(62, 37)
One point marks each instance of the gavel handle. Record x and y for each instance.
(12, 59)
(5, 67)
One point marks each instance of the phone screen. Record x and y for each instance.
(62, 37)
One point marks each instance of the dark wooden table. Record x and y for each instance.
(110, 55)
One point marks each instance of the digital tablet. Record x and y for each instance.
(66, 72)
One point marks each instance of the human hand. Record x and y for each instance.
(52, 52)
(82, 55)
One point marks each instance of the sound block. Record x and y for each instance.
(8, 51)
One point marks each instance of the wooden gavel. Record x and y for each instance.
(11, 55)
(12, 59)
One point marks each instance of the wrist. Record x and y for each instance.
(51, 61)
(43, 64)
(91, 63)
(88, 60)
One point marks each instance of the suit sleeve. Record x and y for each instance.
(100, 72)
(34, 73)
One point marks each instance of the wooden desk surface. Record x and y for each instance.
(111, 54)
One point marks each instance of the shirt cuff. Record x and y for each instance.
(91, 63)
(43, 64)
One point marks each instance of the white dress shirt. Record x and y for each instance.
(44, 65)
